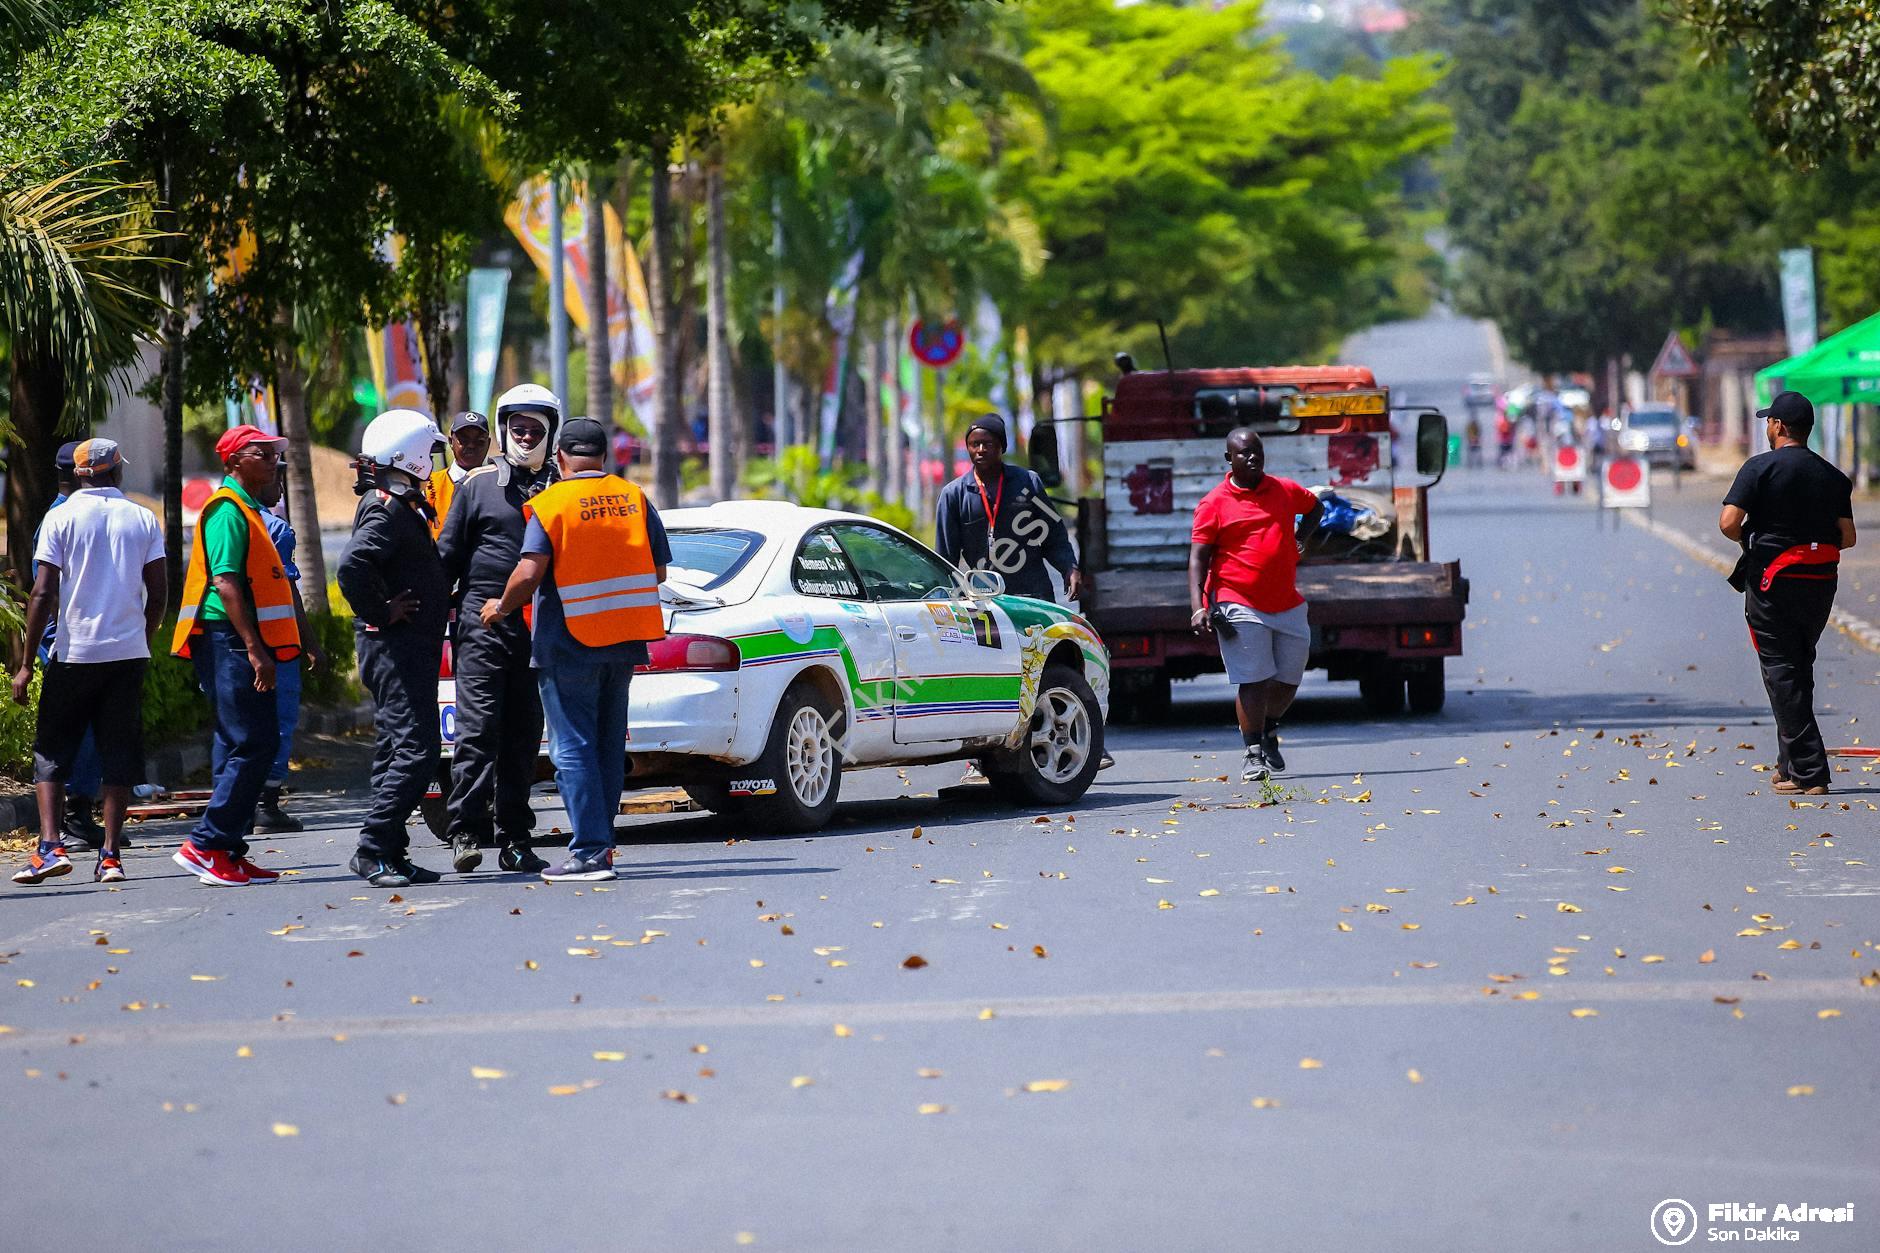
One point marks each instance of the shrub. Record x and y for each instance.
(336, 682)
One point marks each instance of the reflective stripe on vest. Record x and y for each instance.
(603, 559)
(269, 588)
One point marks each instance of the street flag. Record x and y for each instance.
(484, 297)
(397, 353)
(630, 350)
(839, 310)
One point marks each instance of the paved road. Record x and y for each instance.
(1504, 978)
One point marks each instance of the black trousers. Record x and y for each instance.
(499, 733)
(1785, 624)
(399, 668)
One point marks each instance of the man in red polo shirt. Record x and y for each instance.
(1241, 587)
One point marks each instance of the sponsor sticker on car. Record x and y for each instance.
(752, 787)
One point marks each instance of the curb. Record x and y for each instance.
(1855, 628)
(178, 761)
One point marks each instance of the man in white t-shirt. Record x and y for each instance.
(100, 559)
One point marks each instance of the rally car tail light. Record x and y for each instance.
(692, 652)
(445, 668)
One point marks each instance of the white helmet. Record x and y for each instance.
(402, 439)
(537, 399)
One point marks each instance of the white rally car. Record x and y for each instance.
(805, 642)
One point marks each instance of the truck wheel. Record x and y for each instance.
(1140, 697)
(1062, 747)
(803, 758)
(1382, 693)
(1427, 691)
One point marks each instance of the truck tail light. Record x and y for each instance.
(1425, 636)
(1132, 646)
(678, 653)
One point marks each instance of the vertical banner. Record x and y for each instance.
(484, 299)
(255, 405)
(396, 353)
(630, 349)
(1798, 299)
(840, 312)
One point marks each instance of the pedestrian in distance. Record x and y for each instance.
(1793, 514)
(81, 831)
(392, 577)
(469, 449)
(499, 706)
(998, 517)
(100, 561)
(1242, 568)
(592, 560)
(236, 624)
(270, 818)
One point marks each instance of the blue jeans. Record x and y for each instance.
(287, 706)
(586, 708)
(247, 736)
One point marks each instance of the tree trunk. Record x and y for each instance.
(600, 373)
(873, 444)
(173, 436)
(667, 418)
(722, 423)
(895, 445)
(434, 333)
(38, 399)
(290, 392)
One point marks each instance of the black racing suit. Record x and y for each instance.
(499, 709)
(391, 551)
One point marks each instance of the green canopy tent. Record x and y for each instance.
(1843, 369)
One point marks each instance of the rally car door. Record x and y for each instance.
(956, 661)
(829, 592)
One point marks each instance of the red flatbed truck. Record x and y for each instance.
(1381, 612)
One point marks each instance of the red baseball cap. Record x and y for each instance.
(239, 437)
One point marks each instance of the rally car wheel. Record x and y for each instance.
(1062, 746)
(802, 760)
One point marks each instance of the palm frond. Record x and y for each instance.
(75, 258)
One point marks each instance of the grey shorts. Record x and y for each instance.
(1265, 646)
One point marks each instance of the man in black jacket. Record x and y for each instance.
(998, 517)
(499, 709)
(391, 575)
(1793, 513)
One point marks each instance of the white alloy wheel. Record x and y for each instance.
(1060, 735)
(809, 756)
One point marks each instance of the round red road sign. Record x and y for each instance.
(936, 346)
(1567, 457)
(196, 493)
(1623, 475)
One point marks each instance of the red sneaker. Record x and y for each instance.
(210, 865)
(257, 874)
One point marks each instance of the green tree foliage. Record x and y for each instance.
(1813, 70)
(1604, 187)
(1192, 173)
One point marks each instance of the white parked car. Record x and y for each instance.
(805, 642)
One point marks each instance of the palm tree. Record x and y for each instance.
(77, 257)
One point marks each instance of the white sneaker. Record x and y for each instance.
(1256, 770)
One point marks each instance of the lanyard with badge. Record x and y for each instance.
(991, 504)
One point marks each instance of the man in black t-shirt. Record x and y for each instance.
(1793, 513)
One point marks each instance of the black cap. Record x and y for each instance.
(469, 419)
(66, 459)
(993, 425)
(582, 437)
(1793, 410)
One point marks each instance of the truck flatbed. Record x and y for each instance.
(1341, 594)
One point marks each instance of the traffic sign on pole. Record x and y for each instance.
(1674, 360)
(1626, 483)
(936, 346)
(1569, 465)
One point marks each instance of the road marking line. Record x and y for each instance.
(627, 1018)
(1855, 628)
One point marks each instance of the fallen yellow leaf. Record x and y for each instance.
(610, 1057)
(1802, 1089)
(1047, 1085)
(801, 1081)
(1311, 1063)
(1586, 1013)
(286, 1129)
(488, 1072)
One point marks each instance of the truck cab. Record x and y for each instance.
(1381, 612)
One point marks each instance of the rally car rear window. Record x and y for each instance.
(707, 557)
